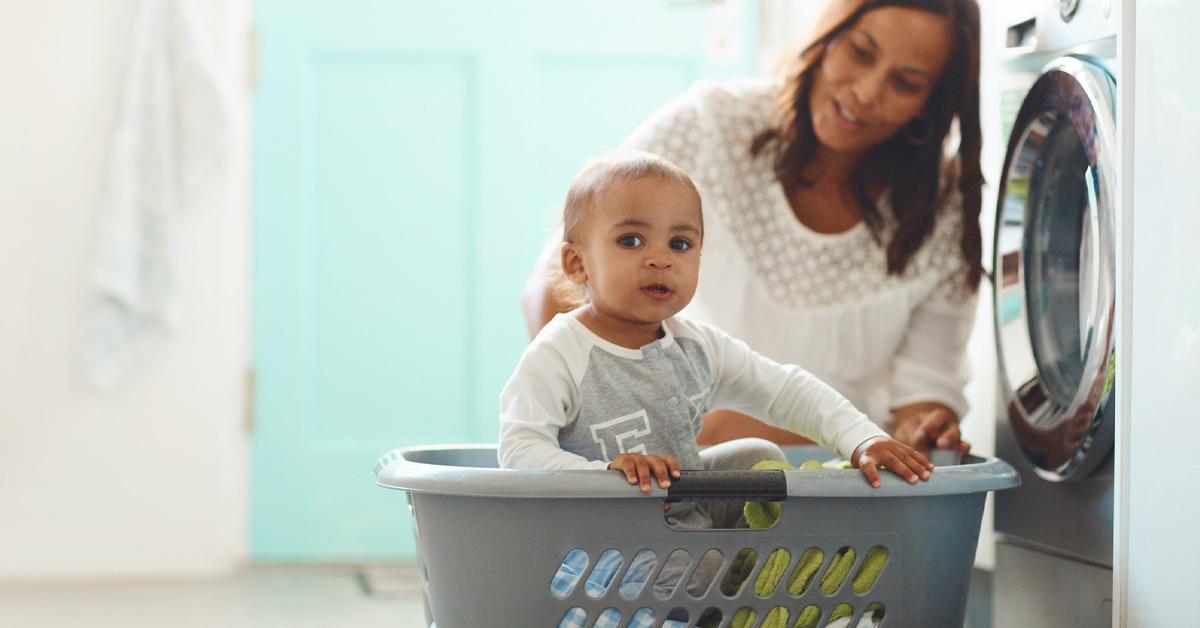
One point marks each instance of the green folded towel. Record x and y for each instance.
(810, 616)
(744, 618)
(764, 515)
(869, 572)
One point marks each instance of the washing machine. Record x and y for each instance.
(1054, 284)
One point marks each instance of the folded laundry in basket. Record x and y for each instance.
(764, 515)
(810, 617)
(602, 576)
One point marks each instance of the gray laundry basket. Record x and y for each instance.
(490, 541)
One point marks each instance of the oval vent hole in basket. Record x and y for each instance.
(810, 617)
(806, 571)
(573, 618)
(772, 572)
(569, 573)
(710, 618)
(677, 618)
(840, 612)
(602, 574)
(672, 572)
(744, 617)
(739, 571)
(643, 617)
(638, 574)
(706, 572)
(873, 617)
(868, 572)
(838, 570)
(608, 617)
(777, 616)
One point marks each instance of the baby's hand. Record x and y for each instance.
(901, 459)
(639, 468)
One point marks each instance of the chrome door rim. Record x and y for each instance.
(1064, 439)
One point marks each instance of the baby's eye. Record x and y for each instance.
(680, 244)
(630, 241)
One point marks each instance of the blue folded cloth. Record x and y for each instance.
(611, 618)
(568, 573)
(598, 582)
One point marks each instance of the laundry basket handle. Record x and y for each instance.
(765, 485)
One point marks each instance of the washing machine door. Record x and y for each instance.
(1054, 270)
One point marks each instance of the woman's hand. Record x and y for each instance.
(928, 425)
(639, 469)
(899, 458)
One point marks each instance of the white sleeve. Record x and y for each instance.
(931, 363)
(539, 400)
(786, 396)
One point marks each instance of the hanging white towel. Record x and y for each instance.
(171, 143)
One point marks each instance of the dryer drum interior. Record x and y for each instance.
(1055, 270)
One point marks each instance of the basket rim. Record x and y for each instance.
(401, 469)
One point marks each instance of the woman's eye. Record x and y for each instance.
(860, 53)
(907, 86)
(630, 241)
(680, 244)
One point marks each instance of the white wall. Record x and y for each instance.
(151, 478)
(1158, 360)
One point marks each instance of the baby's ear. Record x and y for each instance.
(572, 264)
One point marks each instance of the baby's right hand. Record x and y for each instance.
(640, 468)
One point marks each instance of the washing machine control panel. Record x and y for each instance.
(1066, 8)
(1062, 25)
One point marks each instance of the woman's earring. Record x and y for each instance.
(918, 132)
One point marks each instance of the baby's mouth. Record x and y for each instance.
(657, 291)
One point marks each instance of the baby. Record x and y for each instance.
(622, 383)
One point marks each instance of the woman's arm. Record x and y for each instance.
(930, 368)
(922, 426)
(538, 300)
(725, 425)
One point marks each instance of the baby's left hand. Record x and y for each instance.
(901, 459)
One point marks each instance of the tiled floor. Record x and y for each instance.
(265, 597)
(258, 598)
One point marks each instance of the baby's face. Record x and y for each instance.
(641, 249)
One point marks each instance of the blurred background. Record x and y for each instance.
(251, 246)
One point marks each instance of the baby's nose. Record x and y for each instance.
(658, 262)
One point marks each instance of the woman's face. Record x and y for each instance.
(876, 77)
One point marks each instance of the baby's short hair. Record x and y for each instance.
(619, 167)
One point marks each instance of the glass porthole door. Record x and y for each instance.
(1055, 270)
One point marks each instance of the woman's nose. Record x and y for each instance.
(868, 89)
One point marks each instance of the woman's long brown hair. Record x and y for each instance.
(917, 174)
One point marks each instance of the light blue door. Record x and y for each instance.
(409, 158)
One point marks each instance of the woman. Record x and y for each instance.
(842, 228)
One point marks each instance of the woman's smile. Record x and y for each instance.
(846, 119)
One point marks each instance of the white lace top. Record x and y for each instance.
(825, 302)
